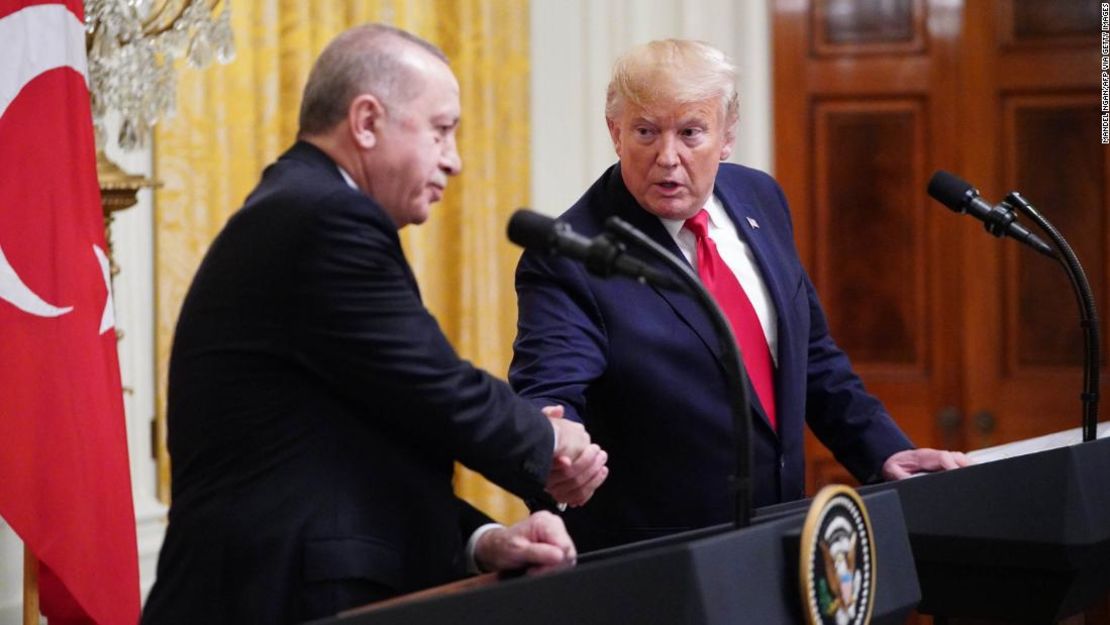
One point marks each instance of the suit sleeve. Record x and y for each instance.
(470, 519)
(560, 348)
(361, 328)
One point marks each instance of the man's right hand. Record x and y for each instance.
(579, 465)
(539, 542)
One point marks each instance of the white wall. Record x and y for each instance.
(574, 45)
(133, 290)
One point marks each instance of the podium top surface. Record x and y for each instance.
(1049, 506)
(747, 575)
(1036, 444)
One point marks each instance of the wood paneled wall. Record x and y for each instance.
(970, 341)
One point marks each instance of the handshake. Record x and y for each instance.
(540, 542)
(578, 467)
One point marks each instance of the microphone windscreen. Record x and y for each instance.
(531, 230)
(950, 190)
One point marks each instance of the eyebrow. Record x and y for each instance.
(684, 121)
(693, 119)
(449, 120)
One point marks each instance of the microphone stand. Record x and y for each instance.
(739, 404)
(1087, 313)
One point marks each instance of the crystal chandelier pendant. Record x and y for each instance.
(132, 47)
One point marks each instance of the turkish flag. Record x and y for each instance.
(65, 485)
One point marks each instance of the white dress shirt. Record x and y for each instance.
(736, 253)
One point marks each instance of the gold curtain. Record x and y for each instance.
(233, 120)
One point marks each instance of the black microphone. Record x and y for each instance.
(958, 195)
(602, 255)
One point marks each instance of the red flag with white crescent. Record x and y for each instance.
(65, 485)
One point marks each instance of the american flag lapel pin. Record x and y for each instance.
(753, 223)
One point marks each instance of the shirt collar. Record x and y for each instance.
(347, 178)
(713, 206)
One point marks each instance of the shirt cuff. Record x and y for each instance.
(471, 563)
(561, 506)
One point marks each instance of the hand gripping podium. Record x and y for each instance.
(706, 577)
(1024, 539)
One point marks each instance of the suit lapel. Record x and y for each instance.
(685, 307)
(688, 310)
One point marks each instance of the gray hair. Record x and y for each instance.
(363, 59)
(675, 70)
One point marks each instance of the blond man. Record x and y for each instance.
(641, 366)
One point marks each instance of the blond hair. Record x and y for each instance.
(674, 70)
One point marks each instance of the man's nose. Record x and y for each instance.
(668, 151)
(451, 162)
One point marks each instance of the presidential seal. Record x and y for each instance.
(837, 560)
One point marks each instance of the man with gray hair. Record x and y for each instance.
(315, 408)
(641, 367)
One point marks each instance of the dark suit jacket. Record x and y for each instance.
(315, 412)
(641, 367)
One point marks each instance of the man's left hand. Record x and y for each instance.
(913, 461)
(538, 543)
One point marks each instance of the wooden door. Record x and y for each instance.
(969, 341)
(1030, 83)
(865, 108)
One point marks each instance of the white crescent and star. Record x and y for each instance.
(32, 34)
(108, 317)
(18, 294)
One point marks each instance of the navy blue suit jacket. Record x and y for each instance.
(641, 368)
(315, 414)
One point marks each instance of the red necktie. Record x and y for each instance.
(730, 296)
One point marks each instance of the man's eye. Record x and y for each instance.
(691, 132)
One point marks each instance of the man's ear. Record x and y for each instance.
(730, 139)
(365, 117)
(614, 134)
(726, 150)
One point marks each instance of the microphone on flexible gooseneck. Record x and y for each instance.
(961, 197)
(999, 220)
(603, 255)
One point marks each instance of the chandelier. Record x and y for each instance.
(132, 46)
